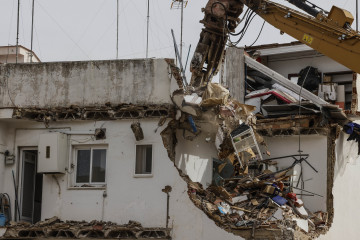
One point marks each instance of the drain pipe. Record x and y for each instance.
(167, 190)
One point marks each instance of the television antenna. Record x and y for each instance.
(180, 4)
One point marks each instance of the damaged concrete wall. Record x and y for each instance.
(345, 191)
(62, 84)
(127, 198)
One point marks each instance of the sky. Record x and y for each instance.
(76, 30)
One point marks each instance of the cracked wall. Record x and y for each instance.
(85, 84)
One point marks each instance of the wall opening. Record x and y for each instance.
(31, 187)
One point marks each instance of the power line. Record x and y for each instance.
(63, 30)
(110, 26)
(100, 8)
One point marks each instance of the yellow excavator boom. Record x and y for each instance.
(329, 33)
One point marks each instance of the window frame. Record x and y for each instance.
(75, 156)
(146, 175)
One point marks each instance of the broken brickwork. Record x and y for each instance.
(54, 228)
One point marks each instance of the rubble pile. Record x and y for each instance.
(55, 228)
(247, 192)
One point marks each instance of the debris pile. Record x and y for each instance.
(247, 192)
(55, 228)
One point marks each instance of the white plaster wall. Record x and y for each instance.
(195, 158)
(345, 191)
(128, 198)
(62, 84)
(290, 65)
(316, 147)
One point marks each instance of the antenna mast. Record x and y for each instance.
(32, 30)
(180, 4)
(17, 32)
(147, 32)
(117, 29)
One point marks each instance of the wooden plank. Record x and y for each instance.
(235, 73)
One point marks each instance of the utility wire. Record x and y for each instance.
(100, 8)
(38, 42)
(109, 27)
(11, 20)
(63, 30)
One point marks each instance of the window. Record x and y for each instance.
(143, 160)
(90, 165)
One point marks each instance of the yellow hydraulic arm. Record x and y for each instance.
(329, 34)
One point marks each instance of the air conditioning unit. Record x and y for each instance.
(52, 153)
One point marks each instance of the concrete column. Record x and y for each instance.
(235, 73)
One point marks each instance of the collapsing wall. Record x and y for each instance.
(250, 195)
(247, 198)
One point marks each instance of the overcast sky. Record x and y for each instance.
(67, 30)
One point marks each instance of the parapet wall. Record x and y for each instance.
(91, 83)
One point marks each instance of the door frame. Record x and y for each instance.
(21, 180)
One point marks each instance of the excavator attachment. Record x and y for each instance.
(221, 16)
(329, 33)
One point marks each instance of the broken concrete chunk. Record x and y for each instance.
(48, 222)
(303, 212)
(239, 199)
(187, 103)
(302, 223)
(279, 214)
(137, 130)
(299, 203)
(192, 99)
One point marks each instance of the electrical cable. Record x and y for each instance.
(244, 30)
(249, 16)
(262, 27)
